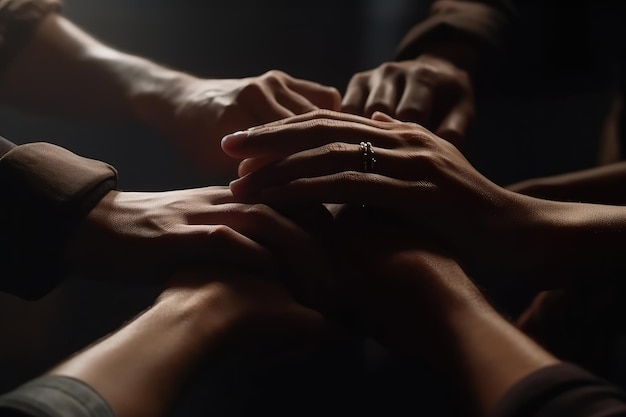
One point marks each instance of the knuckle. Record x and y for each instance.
(333, 93)
(388, 69)
(254, 89)
(425, 161)
(220, 233)
(322, 121)
(275, 74)
(361, 77)
(335, 148)
(351, 177)
(426, 75)
(258, 210)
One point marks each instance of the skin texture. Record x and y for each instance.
(426, 183)
(147, 236)
(434, 90)
(602, 185)
(415, 299)
(86, 78)
(203, 318)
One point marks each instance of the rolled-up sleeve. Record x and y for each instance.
(18, 20)
(54, 396)
(562, 390)
(45, 192)
(482, 22)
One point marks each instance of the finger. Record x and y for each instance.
(320, 95)
(455, 125)
(382, 117)
(321, 114)
(383, 97)
(357, 188)
(294, 102)
(277, 141)
(261, 101)
(356, 95)
(291, 245)
(254, 164)
(415, 105)
(331, 159)
(216, 194)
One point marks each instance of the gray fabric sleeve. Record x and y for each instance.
(54, 396)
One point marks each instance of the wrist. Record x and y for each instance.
(154, 97)
(201, 314)
(423, 293)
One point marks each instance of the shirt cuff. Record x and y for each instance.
(55, 396)
(46, 191)
(561, 390)
(5, 146)
(480, 24)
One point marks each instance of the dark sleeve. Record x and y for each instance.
(483, 23)
(54, 396)
(562, 390)
(18, 20)
(45, 191)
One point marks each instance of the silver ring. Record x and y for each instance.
(368, 156)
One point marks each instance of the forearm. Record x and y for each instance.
(481, 24)
(487, 356)
(565, 244)
(603, 185)
(82, 76)
(440, 313)
(140, 369)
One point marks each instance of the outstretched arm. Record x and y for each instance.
(86, 77)
(203, 318)
(601, 185)
(418, 301)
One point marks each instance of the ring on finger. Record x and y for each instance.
(367, 151)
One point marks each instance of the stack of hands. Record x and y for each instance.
(362, 214)
(317, 228)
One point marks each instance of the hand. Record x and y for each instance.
(420, 178)
(428, 90)
(145, 236)
(200, 112)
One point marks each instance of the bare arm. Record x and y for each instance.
(602, 185)
(81, 74)
(203, 318)
(84, 77)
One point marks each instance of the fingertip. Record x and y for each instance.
(382, 117)
(337, 99)
(231, 142)
(243, 168)
(236, 187)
